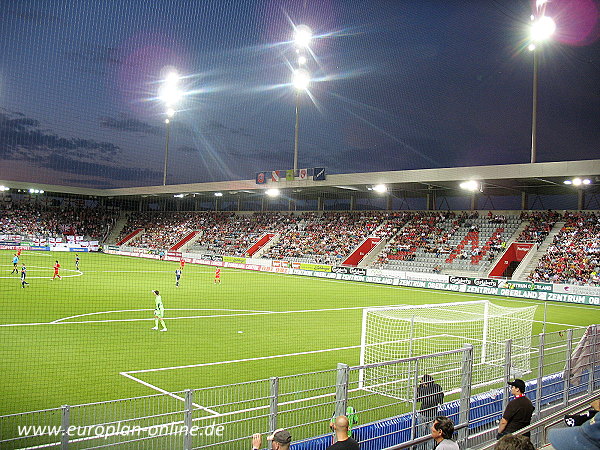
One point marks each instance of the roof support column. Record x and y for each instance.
(580, 199)
(352, 203)
(524, 201)
(388, 203)
(320, 204)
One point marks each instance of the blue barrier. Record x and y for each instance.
(486, 409)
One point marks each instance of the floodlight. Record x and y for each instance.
(218, 194)
(587, 181)
(4, 188)
(381, 188)
(576, 181)
(172, 78)
(301, 79)
(272, 192)
(567, 182)
(170, 112)
(179, 195)
(470, 185)
(302, 36)
(542, 28)
(167, 121)
(301, 60)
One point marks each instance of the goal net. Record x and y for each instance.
(393, 333)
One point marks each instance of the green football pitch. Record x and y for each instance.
(69, 341)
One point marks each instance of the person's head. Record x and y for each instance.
(341, 424)
(576, 438)
(155, 292)
(426, 379)
(57, 261)
(442, 428)
(514, 442)
(517, 385)
(281, 439)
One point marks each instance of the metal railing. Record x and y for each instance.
(563, 369)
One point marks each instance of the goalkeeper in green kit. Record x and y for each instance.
(159, 312)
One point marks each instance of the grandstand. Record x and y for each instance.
(428, 245)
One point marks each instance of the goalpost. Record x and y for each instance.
(391, 333)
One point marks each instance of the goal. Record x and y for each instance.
(392, 333)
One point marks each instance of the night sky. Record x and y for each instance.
(397, 85)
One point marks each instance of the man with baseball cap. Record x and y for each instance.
(575, 438)
(280, 439)
(518, 412)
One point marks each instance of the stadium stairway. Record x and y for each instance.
(361, 251)
(131, 236)
(529, 264)
(263, 241)
(187, 241)
(115, 232)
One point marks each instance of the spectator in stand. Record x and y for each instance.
(280, 440)
(431, 396)
(343, 441)
(514, 442)
(442, 430)
(518, 412)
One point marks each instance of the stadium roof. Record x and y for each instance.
(497, 180)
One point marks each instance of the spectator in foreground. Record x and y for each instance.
(587, 436)
(442, 430)
(340, 426)
(280, 439)
(518, 412)
(514, 442)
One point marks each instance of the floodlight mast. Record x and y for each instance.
(170, 94)
(301, 80)
(542, 27)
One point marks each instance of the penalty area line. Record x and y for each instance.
(162, 391)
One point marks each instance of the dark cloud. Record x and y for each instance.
(35, 16)
(129, 124)
(216, 127)
(66, 164)
(187, 149)
(22, 138)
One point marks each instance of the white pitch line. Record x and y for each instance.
(260, 313)
(170, 309)
(259, 358)
(162, 391)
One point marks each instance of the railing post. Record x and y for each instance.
(465, 393)
(65, 424)
(593, 357)
(538, 388)
(414, 424)
(273, 401)
(567, 375)
(507, 372)
(187, 419)
(341, 389)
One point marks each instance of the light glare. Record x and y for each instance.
(218, 194)
(470, 185)
(543, 28)
(301, 79)
(380, 188)
(302, 36)
(272, 192)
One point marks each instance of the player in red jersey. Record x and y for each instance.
(218, 275)
(181, 263)
(56, 269)
(19, 252)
